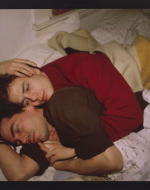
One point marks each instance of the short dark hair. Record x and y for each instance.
(7, 108)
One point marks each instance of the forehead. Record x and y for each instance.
(9, 121)
(6, 123)
(15, 90)
(5, 128)
(31, 78)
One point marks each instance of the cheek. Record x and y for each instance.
(36, 87)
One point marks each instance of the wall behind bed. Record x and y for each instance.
(17, 28)
(15, 31)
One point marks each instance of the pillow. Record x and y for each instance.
(121, 25)
(39, 52)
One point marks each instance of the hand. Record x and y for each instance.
(56, 151)
(18, 67)
(53, 135)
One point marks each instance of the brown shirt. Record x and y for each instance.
(75, 113)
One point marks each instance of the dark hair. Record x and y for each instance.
(7, 108)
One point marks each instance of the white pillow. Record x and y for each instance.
(121, 25)
(39, 52)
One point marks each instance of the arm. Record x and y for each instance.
(106, 162)
(16, 167)
(18, 67)
(30, 162)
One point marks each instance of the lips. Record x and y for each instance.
(34, 138)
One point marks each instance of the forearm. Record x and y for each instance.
(107, 162)
(14, 166)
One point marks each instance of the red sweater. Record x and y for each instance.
(96, 72)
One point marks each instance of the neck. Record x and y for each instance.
(50, 127)
(40, 111)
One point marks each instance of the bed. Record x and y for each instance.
(123, 35)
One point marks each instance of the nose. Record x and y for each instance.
(24, 139)
(34, 96)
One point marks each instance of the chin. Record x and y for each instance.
(45, 136)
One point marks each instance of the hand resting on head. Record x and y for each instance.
(18, 67)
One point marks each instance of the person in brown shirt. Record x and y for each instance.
(75, 114)
(90, 142)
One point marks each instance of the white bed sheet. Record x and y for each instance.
(135, 149)
(122, 25)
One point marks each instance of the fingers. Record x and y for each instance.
(51, 142)
(52, 132)
(53, 135)
(25, 61)
(23, 69)
(49, 154)
(56, 138)
(20, 67)
(51, 158)
(36, 71)
(43, 148)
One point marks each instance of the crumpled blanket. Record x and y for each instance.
(124, 57)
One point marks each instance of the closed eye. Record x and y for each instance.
(28, 87)
(17, 129)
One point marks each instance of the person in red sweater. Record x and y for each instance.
(96, 72)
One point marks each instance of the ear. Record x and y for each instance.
(28, 108)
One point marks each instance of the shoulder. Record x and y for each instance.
(67, 97)
(67, 93)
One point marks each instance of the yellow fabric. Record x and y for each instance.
(142, 46)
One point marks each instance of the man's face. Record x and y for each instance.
(25, 127)
(35, 90)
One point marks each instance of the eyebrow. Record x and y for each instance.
(23, 87)
(12, 129)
